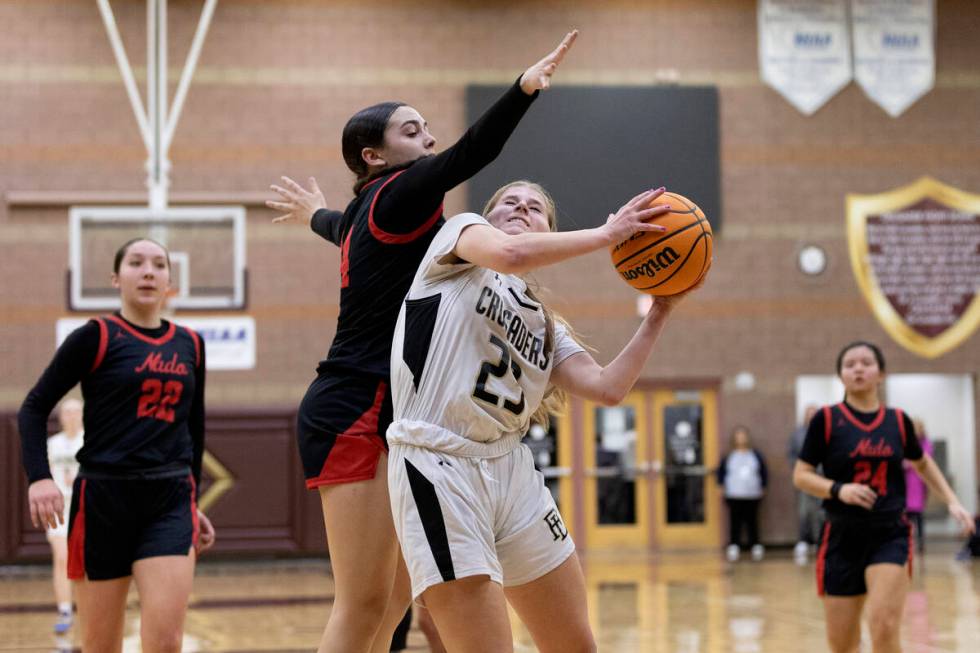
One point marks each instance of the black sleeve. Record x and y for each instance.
(71, 362)
(326, 224)
(195, 421)
(763, 470)
(722, 470)
(815, 444)
(913, 448)
(409, 201)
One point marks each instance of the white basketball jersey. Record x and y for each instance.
(468, 352)
(61, 457)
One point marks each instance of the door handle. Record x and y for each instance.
(602, 472)
(556, 472)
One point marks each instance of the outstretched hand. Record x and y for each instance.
(538, 76)
(300, 204)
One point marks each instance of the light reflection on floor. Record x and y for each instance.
(679, 603)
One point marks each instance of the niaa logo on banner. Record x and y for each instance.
(804, 50)
(894, 51)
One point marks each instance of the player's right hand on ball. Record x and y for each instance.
(47, 504)
(858, 494)
(298, 204)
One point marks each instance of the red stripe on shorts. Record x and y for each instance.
(822, 558)
(76, 539)
(355, 452)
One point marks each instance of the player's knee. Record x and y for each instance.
(369, 604)
(162, 641)
(844, 642)
(581, 642)
(883, 626)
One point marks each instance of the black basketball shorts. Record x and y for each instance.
(848, 548)
(341, 429)
(115, 522)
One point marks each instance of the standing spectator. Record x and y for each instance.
(915, 488)
(62, 448)
(808, 510)
(743, 474)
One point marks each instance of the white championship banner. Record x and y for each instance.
(804, 50)
(894, 50)
(229, 342)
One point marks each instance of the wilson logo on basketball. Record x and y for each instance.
(652, 265)
(154, 363)
(868, 450)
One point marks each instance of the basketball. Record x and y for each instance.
(667, 263)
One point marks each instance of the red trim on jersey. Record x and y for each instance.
(355, 453)
(827, 423)
(153, 341)
(197, 345)
(194, 519)
(372, 183)
(398, 239)
(345, 261)
(822, 558)
(901, 424)
(868, 428)
(76, 539)
(103, 343)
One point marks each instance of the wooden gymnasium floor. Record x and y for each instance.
(679, 603)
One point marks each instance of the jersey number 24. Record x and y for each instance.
(878, 480)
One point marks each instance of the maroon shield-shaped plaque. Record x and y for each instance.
(915, 252)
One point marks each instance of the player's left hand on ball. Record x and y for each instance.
(205, 538)
(963, 518)
(298, 204)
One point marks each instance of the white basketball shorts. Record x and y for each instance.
(460, 516)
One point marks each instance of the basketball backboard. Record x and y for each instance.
(207, 251)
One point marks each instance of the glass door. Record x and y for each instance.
(685, 446)
(617, 468)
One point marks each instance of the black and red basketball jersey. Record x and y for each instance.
(138, 397)
(376, 270)
(143, 393)
(868, 448)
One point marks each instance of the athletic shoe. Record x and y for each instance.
(732, 553)
(757, 552)
(63, 624)
(800, 552)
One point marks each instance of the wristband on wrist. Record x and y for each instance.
(835, 490)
